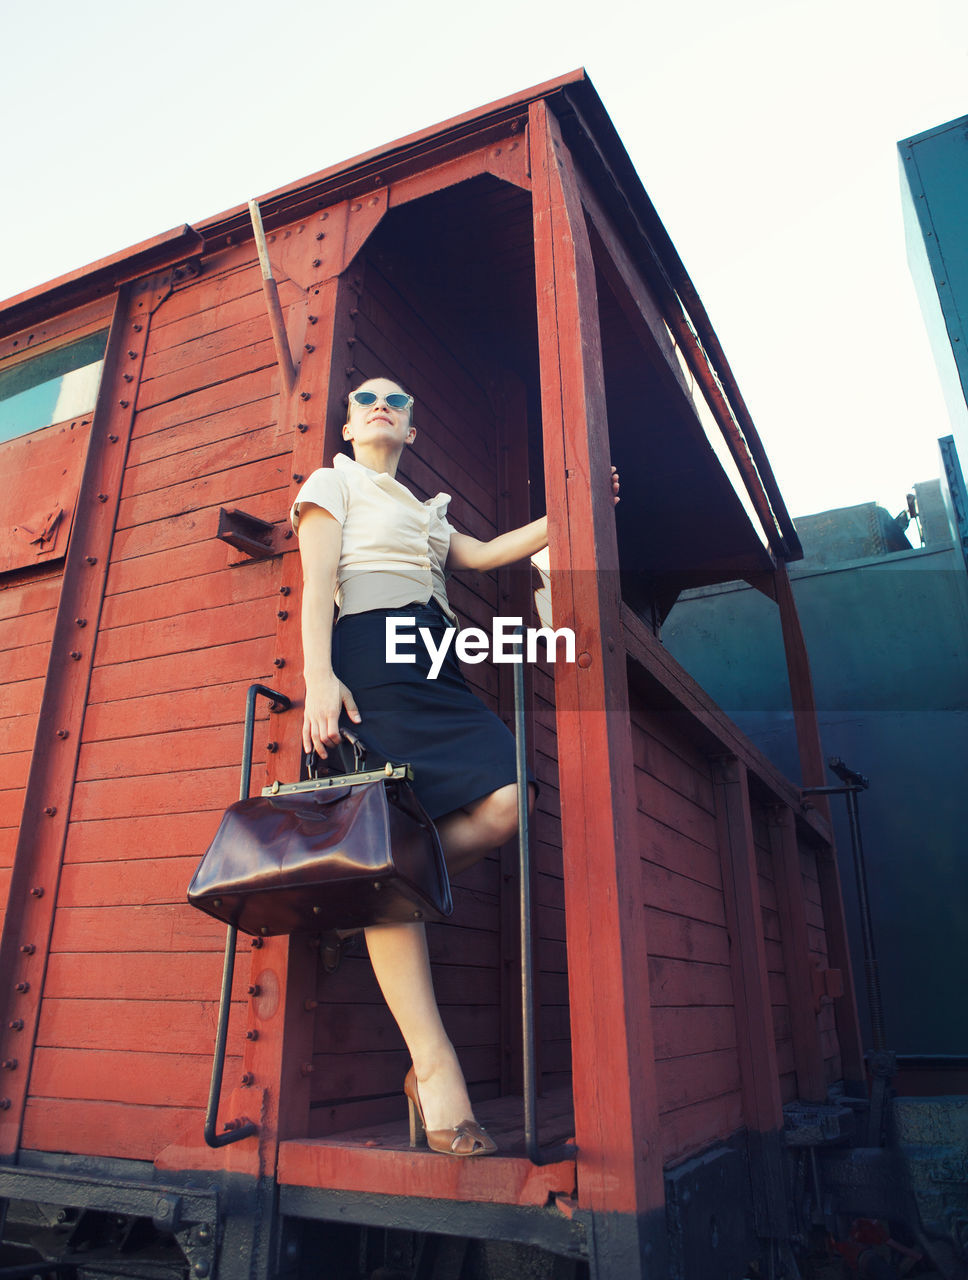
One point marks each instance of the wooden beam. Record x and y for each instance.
(756, 1044)
(812, 768)
(616, 1105)
(633, 294)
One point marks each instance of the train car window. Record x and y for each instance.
(51, 387)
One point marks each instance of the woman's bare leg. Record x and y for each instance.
(398, 953)
(468, 833)
(401, 963)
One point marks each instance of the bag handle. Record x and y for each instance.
(359, 750)
(314, 763)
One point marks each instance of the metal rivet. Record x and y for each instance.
(272, 748)
(124, 403)
(302, 427)
(313, 319)
(305, 395)
(113, 439)
(316, 262)
(254, 989)
(584, 661)
(10, 1064)
(282, 614)
(102, 497)
(310, 348)
(63, 733)
(4, 1104)
(297, 477)
(284, 591)
(310, 1005)
(247, 1079)
(129, 377)
(252, 1034)
(37, 891)
(279, 662)
(320, 235)
(255, 943)
(91, 559)
(76, 655)
(136, 327)
(50, 810)
(22, 987)
(81, 622)
(132, 355)
(28, 949)
(306, 1068)
(17, 1024)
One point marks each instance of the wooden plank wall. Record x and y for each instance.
(816, 933)
(127, 1022)
(692, 987)
(773, 944)
(360, 1059)
(28, 608)
(689, 952)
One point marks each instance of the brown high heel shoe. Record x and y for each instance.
(465, 1139)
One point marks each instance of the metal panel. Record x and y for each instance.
(934, 185)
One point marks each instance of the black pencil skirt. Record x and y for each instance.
(460, 751)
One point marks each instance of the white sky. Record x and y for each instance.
(764, 132)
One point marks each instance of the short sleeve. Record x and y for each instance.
(325, 488)
(438, 509)
(440, 527)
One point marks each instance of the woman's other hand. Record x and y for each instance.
(615, 497)
(325, 700)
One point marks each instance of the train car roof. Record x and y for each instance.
(593, 140)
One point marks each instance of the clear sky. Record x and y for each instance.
(765, 133)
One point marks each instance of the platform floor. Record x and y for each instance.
(379, 1158)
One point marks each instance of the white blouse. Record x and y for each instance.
(394, 546)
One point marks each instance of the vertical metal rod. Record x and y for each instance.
(527, 984)
(871, 972)
(245, 1130)
(276, 319)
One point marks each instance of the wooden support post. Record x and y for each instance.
(807, 1050)
(286, 968)
(762, 1107)
(616, 1107)
(812, 771)
(801, 689)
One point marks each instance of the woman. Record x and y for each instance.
(367, 541)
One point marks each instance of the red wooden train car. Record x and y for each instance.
(691, 971)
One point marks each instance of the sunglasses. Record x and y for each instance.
(396, 399)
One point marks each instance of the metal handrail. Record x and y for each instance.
(235, 1130)
(527, 963)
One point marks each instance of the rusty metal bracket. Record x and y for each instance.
(246, 533)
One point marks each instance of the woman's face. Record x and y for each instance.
(378, 422)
